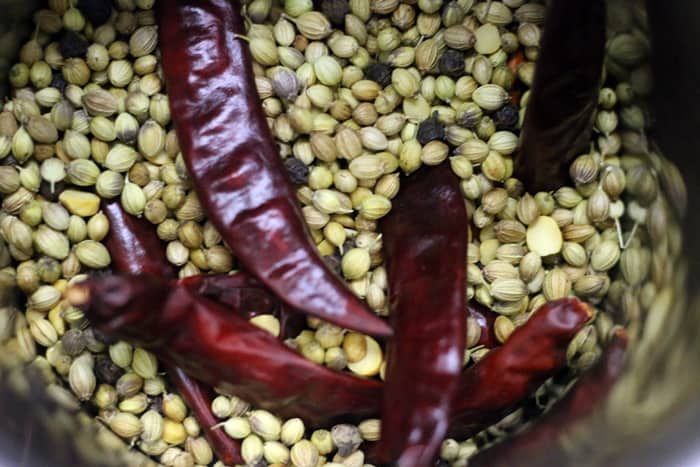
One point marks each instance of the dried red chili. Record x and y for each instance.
(564, 95)
(134, 246)
(136, 249)
(236, 169)
(508, 374)
(581, 401)
(426, 264)
(222, 349)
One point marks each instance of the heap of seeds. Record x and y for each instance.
(356, 96)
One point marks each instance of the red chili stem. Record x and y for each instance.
(236, 168)
(222, 349)
(426, 264)
(509, 374)
(564, 95)
(581, 401)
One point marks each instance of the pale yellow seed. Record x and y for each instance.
(370, 364)
(267, 322)
(544, 236)
(80, 203)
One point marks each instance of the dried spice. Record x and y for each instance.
(73, 342)
(354, 137)
(260, 177)
(379, 73)
(507, 117)
(423, 368)
(58, 81)
(534, 352)
(431, 129)
(71, 44)
(333, 262)
(298, 171)
(559, 118)
(222, 349)
(451, 63)
(335, 11)
(96, 11)
(107, 371)
(580, 402)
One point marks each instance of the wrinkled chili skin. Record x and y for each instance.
(240, 292)
(564, 96)
(198, 398)
(133, 244)
(136, 249)
(426, 265)
(509, 374)
(244, 295)
(581, 401)
(236, 169)
(223, 349)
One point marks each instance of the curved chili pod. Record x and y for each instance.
(236, 169)
(222, 349)
(133, 244)
(426, 264)
(507, 375)
(564, 96)
(136, 249)
(580, 402)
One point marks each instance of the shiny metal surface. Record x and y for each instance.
(652, 418)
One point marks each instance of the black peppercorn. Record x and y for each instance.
(349, 244)
(379, 73)
(72, 44)
(298, 171)
(451, 63)
(156, 403)
(73, 342)
(9, 160)
(430, 129)
(58, 81)
(333, 262)
(96, 11)
(507, 117)
(91, 342)
(335, 11)
(106, 371)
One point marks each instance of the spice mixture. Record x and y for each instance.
(384, 113)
